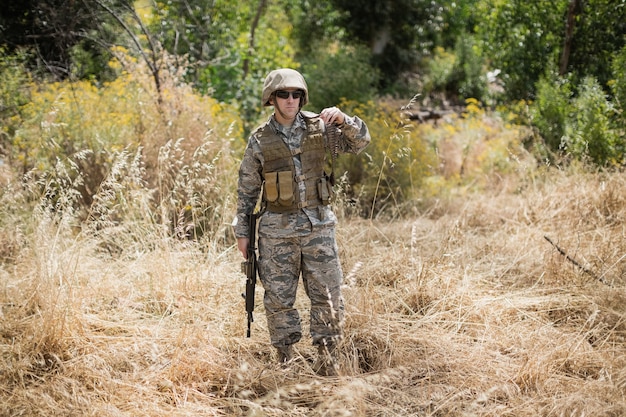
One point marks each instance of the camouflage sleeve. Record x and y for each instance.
(249, 186)
(355, 135)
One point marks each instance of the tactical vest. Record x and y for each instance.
(281, 190)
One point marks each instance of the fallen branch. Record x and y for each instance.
(424, 115)
(576, 263)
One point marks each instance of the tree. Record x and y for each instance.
(315, 24)
(151, 52)
(525, 38)
(53, 29)
(522, 38)
(599, 35)
(573, 10)
(391, 29)
(386, 27)
(400, 33)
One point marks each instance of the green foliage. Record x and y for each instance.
(223, 59)
(459, 74)
(391, 28)
(456, 74)
(203, 31)
(398, 34)
(599, 35)
(68, 38)
(521, 38)
(439, 70)
(579, 122)
(387, 177)
(525, 38)
(618, 87)
(315, 24)
(552, 109)
(78, 143)
(590, 134)
(90, 60)
(15, 83)
(343, 75)
(468, 77)
(227, 47)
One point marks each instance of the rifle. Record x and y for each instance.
(250, 268)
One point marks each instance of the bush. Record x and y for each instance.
(476, 149)
(340, 76)
(618, 87)
(577, 122)
(589, 133)
(15, 85)
(468, 79)
(460, 74)
(551, 110)
(439, 69)
(388, 176)
(90, 149)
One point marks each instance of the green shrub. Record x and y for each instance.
(439, 69)
(89, 149)
(468, 78)
(618, 87)
(460, 73)
(589, 134)
(578, 122)
(15, 85)
(551, 110)
(388, 176)
(342, 75)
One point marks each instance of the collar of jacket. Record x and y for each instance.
(299, 122)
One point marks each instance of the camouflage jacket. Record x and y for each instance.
(354, 138)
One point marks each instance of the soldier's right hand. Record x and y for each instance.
(242, 245)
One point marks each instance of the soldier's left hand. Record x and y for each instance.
(332, 115)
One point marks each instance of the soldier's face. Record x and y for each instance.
(288, 101)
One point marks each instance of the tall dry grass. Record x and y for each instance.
(462, 310)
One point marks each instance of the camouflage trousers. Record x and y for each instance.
(315, 257)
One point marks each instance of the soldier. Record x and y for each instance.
(284, 160)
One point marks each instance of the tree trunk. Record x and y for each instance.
(255, 23)
(572, 12)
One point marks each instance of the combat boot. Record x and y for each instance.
(285, 354)
(326, 363)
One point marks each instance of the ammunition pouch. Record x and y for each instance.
(325, 189)
(280, 188)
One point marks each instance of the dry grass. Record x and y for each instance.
(465, 310)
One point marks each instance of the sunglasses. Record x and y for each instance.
(285, 94)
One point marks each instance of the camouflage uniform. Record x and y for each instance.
(296, 242)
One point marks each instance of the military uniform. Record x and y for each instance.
(297, 230)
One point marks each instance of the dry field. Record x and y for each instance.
(464, 310)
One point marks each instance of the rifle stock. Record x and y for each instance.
(250, 268)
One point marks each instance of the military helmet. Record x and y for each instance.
(282, 79)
